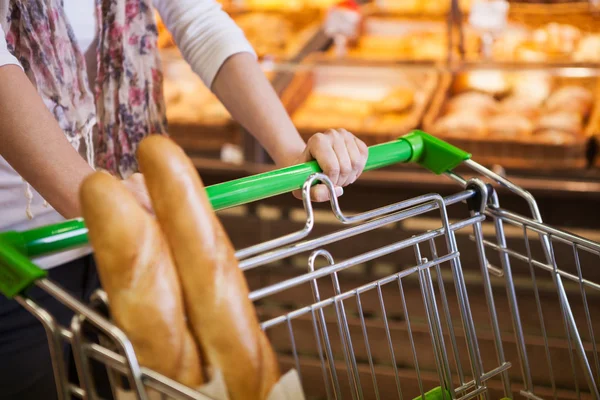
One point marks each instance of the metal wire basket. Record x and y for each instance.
(347, 340)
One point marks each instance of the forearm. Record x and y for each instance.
(35, 146)
(248, 95)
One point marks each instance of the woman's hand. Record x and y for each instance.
(137, 186)
(341, 156)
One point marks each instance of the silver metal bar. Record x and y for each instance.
(151, 378)
(309, 245)
(371, 255)
(512, 298)
(53, 334)
(477, 392)
(325, 337)
(540, 265)
(448, 316)
(347, 340)
(321, 357)
(294, 351)
(367, 345)
(101, 323)
(330, 301)
(485, 377)
(81, 362)
(489, 296)
(544, 229)
(389, 339)
(411, 339)
(538, 302)
(588, 317)
(435, 331)
(550, 258)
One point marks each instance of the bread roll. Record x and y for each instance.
(561, 121)
(588, 49)
(510, 126)
(222, 318)
(520, 105)
(397, 101)
(555, 137)
(140, 280)
(473, 102)
(494, 83)
(571, 99)
(463, 124)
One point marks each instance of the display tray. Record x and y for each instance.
(377, 104)
(542, 144)
(557, 33)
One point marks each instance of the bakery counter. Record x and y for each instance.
(568, 200)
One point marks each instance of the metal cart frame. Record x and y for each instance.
(437, 263)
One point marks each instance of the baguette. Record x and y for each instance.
(222, 318)
(137, 272)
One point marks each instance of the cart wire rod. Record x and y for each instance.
(541, 228)
(284, 285)
(360, 290)
(540, 264)
(409, 212)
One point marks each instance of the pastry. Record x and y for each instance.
(555, 137)
(557, 38)
(520, 105)
(513, 126)
(531, 52)
(397, 101)
(571, 98)
(139, 277)
(389, 124)
(534, 85)
(473, 102)
(220, 314)
(588, 49)
(494, 83)
(461, 124)
(562, 121)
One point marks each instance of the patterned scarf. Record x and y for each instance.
(127, 103)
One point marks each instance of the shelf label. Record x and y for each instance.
(490, 16)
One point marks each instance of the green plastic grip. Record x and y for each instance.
(17, 272)
(435, 394)
(16, 247)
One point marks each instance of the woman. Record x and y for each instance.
(49, 111)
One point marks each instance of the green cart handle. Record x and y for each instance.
(18, 273)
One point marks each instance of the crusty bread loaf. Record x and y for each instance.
(139, 277)
(221, 316)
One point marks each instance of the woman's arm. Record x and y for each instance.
(35, 146)
(219, 53)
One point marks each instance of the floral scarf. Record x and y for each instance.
(127, 103)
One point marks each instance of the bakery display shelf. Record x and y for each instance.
(375, 103)
(556, 33)
(520, 120)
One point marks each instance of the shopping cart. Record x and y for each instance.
(347, 334)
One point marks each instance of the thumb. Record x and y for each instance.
(319, 193)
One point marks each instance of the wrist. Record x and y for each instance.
(288, 150)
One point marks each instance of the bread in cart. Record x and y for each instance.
(153, 269)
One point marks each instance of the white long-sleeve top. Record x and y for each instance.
(206, 37)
